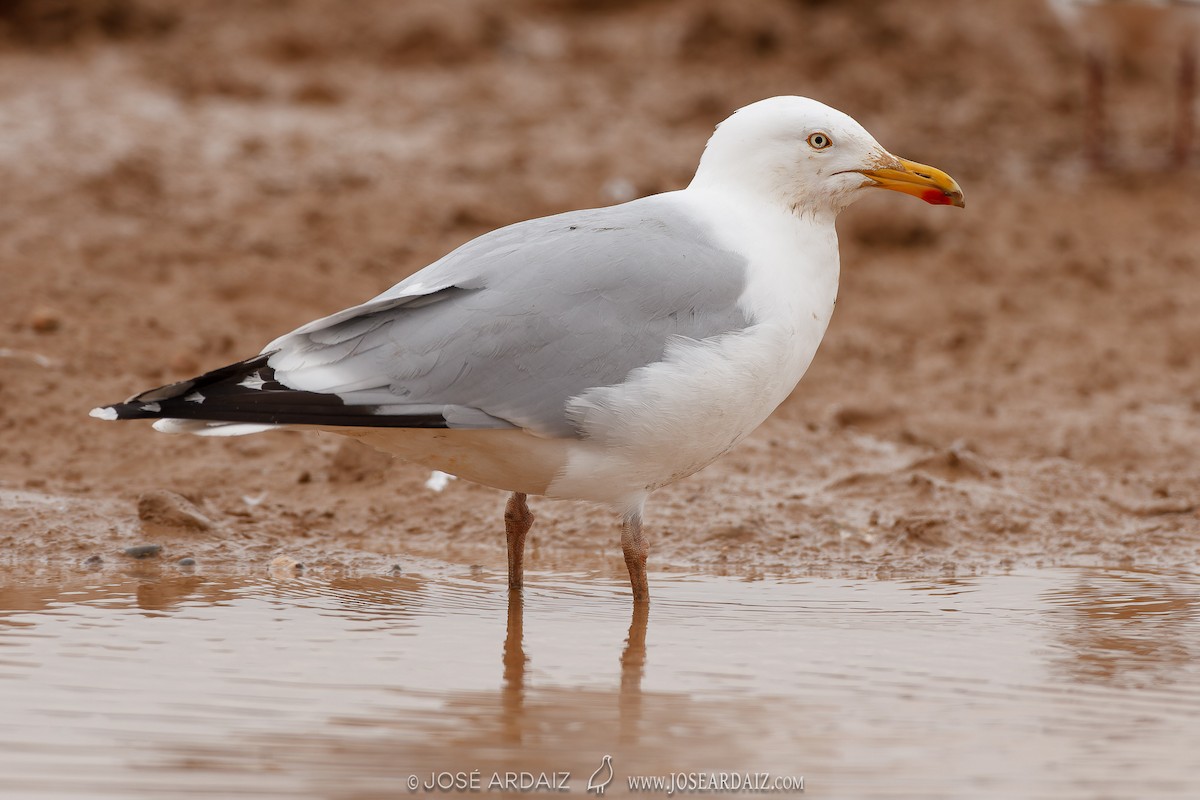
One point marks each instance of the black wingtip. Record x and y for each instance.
(239, 370)
(248, 391)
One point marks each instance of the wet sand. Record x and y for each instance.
(1012, 384)
(1009, 389)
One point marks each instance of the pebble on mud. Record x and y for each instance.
(279, 563)
(161, 507)
(44, 320)
(186, 561)
(91, 562)
(143, 550)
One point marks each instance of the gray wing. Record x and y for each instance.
(500, 333)
(506, 329)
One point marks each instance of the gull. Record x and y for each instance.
(594, 355)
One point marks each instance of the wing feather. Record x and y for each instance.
(502, 332)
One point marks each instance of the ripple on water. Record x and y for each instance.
(1052, 682)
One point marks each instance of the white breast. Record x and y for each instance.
(674, 417)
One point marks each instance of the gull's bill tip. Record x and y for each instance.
(920, 180)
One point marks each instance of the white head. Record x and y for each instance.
(812, 158)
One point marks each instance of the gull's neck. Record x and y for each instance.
(773, 196)
(792, 258)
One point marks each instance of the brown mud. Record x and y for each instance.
(1017, 383)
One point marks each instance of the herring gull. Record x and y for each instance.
(593, 355)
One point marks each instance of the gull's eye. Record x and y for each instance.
(819, 141)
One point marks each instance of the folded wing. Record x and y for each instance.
(500, 333)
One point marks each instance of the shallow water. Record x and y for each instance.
(1058, 683)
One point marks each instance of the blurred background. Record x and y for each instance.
(184, 181)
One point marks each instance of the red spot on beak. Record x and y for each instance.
(936, 197)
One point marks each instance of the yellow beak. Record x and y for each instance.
(928, 183)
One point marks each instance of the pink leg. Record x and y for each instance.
(518, 519)
(633, 543)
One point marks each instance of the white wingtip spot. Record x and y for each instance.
(439, 480)
(254, 381)
(107, 412)
(194, 397)
(153, 408)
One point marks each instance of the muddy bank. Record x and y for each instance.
(1017, 383)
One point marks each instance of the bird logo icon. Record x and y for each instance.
(602, 777)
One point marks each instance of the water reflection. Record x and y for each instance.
(347, 686)
(633, 668)
(154, 590)
(515, 660)
(514, 667)
(543, 726)
(1125, 629)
